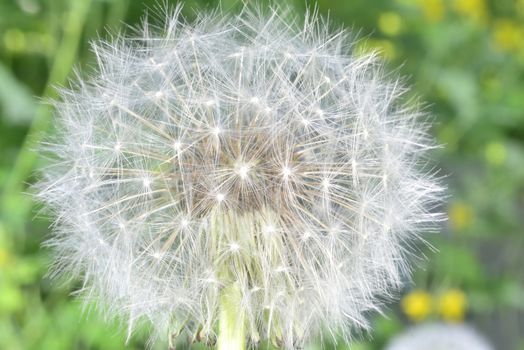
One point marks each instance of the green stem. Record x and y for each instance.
(232, 332)
(64, 59)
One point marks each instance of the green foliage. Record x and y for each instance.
(464, 57)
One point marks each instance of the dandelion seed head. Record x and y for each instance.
(436, 336)
(253, 134)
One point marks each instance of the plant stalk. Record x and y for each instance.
(232, 332)
(63, 61)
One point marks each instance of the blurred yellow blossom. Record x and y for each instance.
(14, 40)
(473, 9)
(4, 257)
(434, 10)
(452, 305)
(461, 215)
(496, 153)
(384, 47)
(5, 254)
(508, 35)
(417, 305)
(390, 23)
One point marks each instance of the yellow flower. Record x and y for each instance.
(452, 305)
(417, 305)
(473, 9)
(4, 257)
(390, 23)
(507, 35)
(434, 10)
(15, 40)
(461, 215)
(496, 153)
(385, 48)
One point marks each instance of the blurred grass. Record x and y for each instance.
(465, 57)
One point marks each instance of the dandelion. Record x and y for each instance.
(452, 305)
(417, 305)
(437, 336)
(238, 179)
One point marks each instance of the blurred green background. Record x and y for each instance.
(464, 57)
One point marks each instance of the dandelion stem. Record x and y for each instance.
(231, 334)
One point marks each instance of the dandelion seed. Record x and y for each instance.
(234, 247)
(220, 197)
(157, 255)
(286, 172)
(333, 230)
(177, 145)
(216, 131)
(280, 269)
(242, 171)
(280, 171)
(269, 229)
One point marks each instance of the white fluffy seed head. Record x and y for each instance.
(439, 336)
(251, 135)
